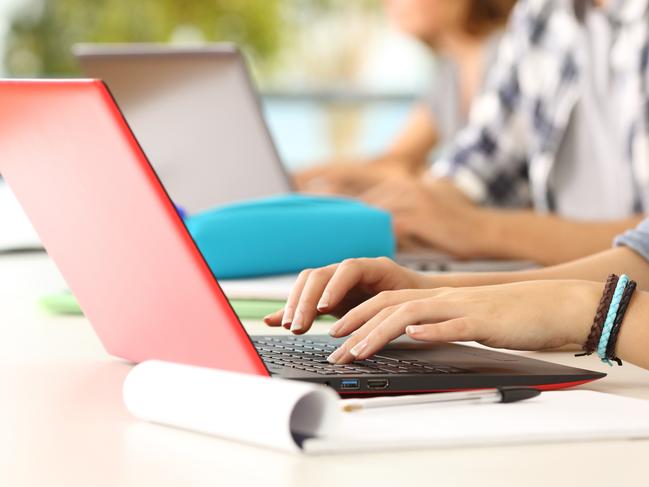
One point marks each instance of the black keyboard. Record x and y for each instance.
(309, 354)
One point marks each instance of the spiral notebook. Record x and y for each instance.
(307, 418)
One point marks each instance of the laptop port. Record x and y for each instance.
(348, 384)
(377, 384)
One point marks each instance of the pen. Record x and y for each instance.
(483, 396)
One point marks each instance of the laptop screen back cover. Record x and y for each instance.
(108, 224)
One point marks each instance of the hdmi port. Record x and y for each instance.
(377, 384)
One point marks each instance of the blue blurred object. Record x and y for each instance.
(286, 234)
(182, 213)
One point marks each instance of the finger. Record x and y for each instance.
(342, 354)
(376, 195)
(364, 312)
(275, 318)
(390, 328)
(342, 188)
(404, 230)
(318, 186)
(293, 297)
(382, 202)
(429, 310)
(349, 274)
(388, 196)
(404, 223)
(303, 179)
(346, 276)
(329, 181)
(306, 308)
(321, 182)
(460, 329)
(414, 229)
(406, 241)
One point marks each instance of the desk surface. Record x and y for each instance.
(62, 422)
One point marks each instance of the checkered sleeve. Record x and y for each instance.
(487, 159)
(636, 239)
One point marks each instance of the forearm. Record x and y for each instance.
(545, 239)
(412, 145)
(596, 267)
(633, 340)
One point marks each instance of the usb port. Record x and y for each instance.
(377, 384)
(350, 384)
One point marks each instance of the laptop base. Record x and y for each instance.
(407, 367)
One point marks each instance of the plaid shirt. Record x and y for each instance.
(504, 156)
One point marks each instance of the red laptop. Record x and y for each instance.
(107, 222)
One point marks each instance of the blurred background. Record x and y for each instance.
(336, 79)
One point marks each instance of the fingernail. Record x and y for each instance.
(358, 348)
(412, 330)
(266, 318)
(288, 317)
(296, 325)
(333, 358)
(324, 300)
(333, 331)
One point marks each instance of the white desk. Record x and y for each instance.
(62, 423)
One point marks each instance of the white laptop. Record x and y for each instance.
(196, 114)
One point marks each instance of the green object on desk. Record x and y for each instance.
(64, 303)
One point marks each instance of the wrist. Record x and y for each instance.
(585, 300)
(483, 238)
(424, 281)
(491, 235)
(433, 281)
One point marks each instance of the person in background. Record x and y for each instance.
(554, 161)
(378, 300)
(464, 34)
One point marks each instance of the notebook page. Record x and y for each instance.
(551, 417)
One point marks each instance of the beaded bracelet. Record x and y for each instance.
(600, 316)
(617, 325)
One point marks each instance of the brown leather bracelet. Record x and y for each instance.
(600, 316)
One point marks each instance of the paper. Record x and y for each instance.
(303, 417)
(269, 288)
(558, 416)
(16, 232)
(273, 413)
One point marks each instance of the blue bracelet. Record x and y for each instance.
(610, 318)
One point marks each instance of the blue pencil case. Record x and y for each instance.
(286, 234)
